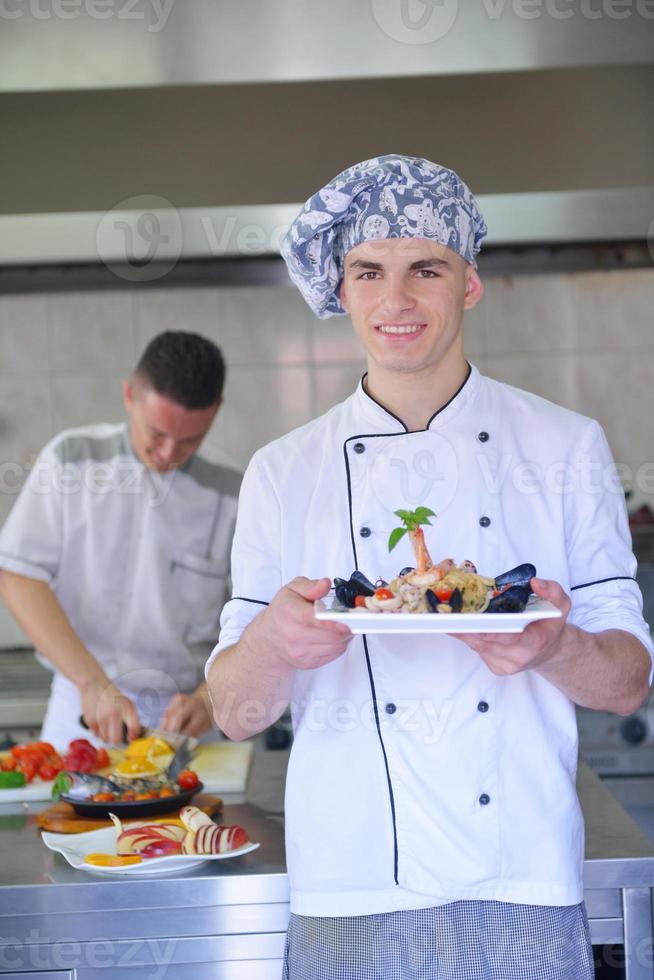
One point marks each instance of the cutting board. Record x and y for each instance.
(62, 819)
(222, 767)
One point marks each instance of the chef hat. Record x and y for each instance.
(387, 197)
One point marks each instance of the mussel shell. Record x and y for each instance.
(432, 600)
(365, 587)
(345, 593)
(514, 599)
(347, 590)
(455, 602)
(520, 575)
(406, 570)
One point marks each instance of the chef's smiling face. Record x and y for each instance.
(406, 298)
(164, 434)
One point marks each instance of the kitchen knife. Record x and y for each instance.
(174, 739)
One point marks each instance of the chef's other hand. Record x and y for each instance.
(188, 714)
(106, 709)
(509, 653)
(289, 630)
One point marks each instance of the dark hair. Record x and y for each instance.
(185, 367)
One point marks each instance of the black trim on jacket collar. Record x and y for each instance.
(398, 419)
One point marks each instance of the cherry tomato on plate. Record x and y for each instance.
(104, 797)
(444, 593)
(102, 759)
(383, 594)
(188, 779)
(48, 771)
(360, 602)
(29, 768)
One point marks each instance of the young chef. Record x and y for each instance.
(115, 555)
(433, 828)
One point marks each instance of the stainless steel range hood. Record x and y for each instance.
(48, 45)
(189, 125)
(150, 233)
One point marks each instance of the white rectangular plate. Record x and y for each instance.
(368, 622)
(75, 847)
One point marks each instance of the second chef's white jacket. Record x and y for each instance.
(137, 559)
(417, 776)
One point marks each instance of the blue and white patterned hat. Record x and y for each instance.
(387, 197)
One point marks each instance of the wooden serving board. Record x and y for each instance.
(62, 819)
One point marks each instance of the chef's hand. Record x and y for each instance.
(288, 629)
(510, 653)
(188, 714)
(105, 709)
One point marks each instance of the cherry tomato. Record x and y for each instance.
(29, 768)
(47, 771)
(81, 756)
(360, 601)
(80, 743)
(383, 594)
(444, 594)
(168, 791)
(8, 764)
(104, 797)
(188, 779)
(102, 759)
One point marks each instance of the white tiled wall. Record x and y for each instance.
(584, 340)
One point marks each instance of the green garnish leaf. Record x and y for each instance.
(411, 519)
(62, 784)
(396, 535)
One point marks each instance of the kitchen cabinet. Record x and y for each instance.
(228, 921)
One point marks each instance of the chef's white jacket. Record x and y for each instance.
(137, 559)
(417, 776)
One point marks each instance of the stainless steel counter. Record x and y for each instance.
(228, 922)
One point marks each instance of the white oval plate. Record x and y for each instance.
(368, 622)
(75, 847)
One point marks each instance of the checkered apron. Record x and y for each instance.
(460, 941)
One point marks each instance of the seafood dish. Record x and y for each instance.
(429, 587)
(150, 777)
